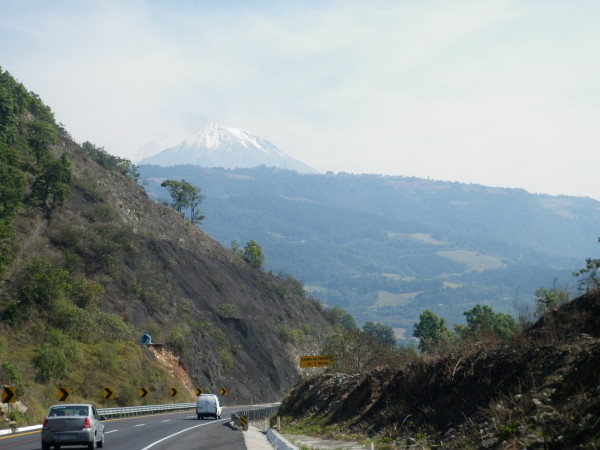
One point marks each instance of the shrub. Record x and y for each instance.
(85, 293)
(355, 351)
(11, 315)
(339, 316)
(229, 311)
(589, 277)
(289, 334)
(483, 321)
(10, 375)
(88, 185)
(432, 332)
(112, 328)
(74, 321)
(178, 339)
(226, 358)
(548, 299)
(50, 363)
(218, 335)
(42, 283)
(253, 255)
(70, 236)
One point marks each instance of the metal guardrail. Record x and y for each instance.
(250, 414)
(146, 409)
(241, 418)
(258, 414)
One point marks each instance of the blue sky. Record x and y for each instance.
(496, 92)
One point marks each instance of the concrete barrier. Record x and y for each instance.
(278, 442)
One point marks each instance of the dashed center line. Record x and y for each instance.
(140, 425)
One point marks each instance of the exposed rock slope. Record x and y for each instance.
(230, 325)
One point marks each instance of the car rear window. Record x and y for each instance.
(68, 410)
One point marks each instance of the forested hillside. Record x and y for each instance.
(386, 247)
(89, 264)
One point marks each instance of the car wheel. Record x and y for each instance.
(92, 445)
(100, 443)
(45, 446)
(199, 417)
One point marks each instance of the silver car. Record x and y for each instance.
(72, 424)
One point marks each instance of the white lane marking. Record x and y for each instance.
(179, 432)
(140, 425)
(111, 431)
(168, 420)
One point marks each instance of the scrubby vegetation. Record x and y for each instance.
(31, 174)
(55, 326)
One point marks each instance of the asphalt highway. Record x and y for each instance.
(176, 430)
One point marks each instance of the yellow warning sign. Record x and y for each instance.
(316, 361)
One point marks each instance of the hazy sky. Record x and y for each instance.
(495, 92)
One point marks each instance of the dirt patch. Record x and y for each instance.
(173, 364)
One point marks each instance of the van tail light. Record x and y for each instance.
(87, 423)
(46, 425)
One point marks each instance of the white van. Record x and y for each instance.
(208, 406)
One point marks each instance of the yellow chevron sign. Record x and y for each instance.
(107, 393)
(8, 394)
(63, 394)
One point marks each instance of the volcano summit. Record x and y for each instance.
(230, 148)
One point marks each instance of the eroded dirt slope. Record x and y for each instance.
(541, 390)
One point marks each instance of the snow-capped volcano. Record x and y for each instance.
(219, 146)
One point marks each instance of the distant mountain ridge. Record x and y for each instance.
(386, 247)
(227, 147)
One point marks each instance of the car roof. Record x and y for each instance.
(71, 405)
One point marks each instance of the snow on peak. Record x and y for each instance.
(219, 146)
(215, 136)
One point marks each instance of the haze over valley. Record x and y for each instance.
(386, 247)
